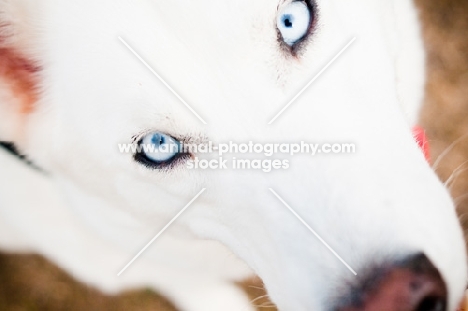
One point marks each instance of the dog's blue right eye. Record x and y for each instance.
(157, 149)
(293, 22)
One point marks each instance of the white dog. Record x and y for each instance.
(71, 92)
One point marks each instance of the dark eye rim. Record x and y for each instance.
(299, 45)
(144, 160)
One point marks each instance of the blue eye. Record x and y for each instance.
(156, 149)
(293, 22)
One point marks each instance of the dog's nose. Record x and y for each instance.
(412, 284)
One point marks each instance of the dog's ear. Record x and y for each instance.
(19, 73)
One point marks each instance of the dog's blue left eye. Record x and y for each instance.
(158, 149)
(293, 22)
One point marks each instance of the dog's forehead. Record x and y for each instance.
(222, 57)
(202, 22)
(193, 46)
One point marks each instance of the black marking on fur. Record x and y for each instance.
(11, 149)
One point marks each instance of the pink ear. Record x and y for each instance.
(19, 76)
(421, 138)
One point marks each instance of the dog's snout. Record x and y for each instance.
(412, 284)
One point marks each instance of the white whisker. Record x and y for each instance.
(447, 150)
(456, 172)
(259, 297)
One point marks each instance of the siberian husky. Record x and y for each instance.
(369, 230)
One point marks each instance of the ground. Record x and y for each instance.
(29, 282)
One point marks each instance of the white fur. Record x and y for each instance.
(96, 208)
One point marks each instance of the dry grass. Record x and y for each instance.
(28, 282)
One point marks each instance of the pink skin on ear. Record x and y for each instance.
(420, 136)
(20, 75)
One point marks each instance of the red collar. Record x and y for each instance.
(420, 136)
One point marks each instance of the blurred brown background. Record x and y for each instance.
(28, 282)
(445, 114)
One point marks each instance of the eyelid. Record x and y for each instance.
(177, 160)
